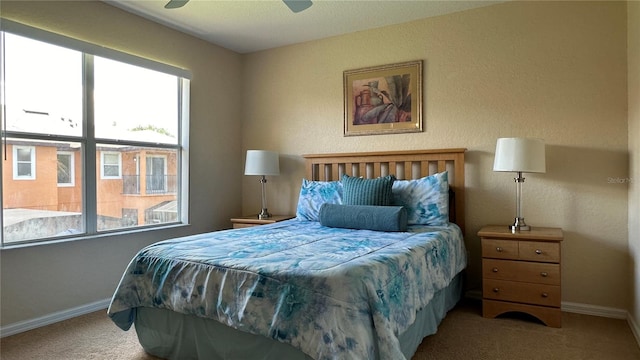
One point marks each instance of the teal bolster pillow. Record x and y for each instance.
(359, 191)
(364, 217)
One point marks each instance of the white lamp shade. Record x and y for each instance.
(520, 154)
(262, 162)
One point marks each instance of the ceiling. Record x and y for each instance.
(247, 26)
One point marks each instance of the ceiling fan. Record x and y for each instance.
(295, 5)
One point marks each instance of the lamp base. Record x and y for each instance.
(519, 225)
(264, 214)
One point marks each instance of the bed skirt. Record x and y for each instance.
(170, 335)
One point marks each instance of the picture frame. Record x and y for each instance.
(384, 99)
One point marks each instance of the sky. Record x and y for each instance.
(43, 93)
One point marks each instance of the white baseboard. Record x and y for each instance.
(573, 307)
(604, 312)
(27, 325)
(635, 329)
(594, 310)
(473, 294)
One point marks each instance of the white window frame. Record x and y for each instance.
(103, 164)
(32, 150)
(72, 170)
(90, 145)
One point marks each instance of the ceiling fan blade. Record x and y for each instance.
(298, 5)
(174, 4)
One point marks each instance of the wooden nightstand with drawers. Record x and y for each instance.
(521, 272)
(248, 221)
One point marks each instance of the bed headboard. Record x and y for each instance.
(411, 164)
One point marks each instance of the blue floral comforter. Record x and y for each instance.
(332, 293)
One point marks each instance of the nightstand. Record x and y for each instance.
(521, 272)
(252, 220)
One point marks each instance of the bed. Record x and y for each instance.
(326, 285)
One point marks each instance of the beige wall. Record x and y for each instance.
(44, 279)
(554, 70)
(633, 41)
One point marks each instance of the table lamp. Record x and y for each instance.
(262, 163)
(519, 155)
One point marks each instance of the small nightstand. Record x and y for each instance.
(521, 272)
(252, 220)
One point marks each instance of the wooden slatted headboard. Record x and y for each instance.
(405, 165)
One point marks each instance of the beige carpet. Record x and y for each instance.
(463, 335)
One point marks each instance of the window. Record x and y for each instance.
(24, 163)
(156, 174)
(105, 131)
(111, 165)
(66, 170)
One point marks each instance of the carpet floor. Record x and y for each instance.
(463, 335)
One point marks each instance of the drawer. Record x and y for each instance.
(526, 293)
(499, 249)
(539, 251)
(531, 272)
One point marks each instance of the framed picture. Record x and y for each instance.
(383, 99)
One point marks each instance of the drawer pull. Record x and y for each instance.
(499, 249)
(496, 290)
(538, 251)
(544, 274)
(495, 269)
(544, 295)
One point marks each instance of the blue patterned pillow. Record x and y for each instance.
(360, 191)
(315, 193)
(426, 199)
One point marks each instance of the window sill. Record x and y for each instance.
(101, 235)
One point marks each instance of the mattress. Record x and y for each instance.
(328, 292)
